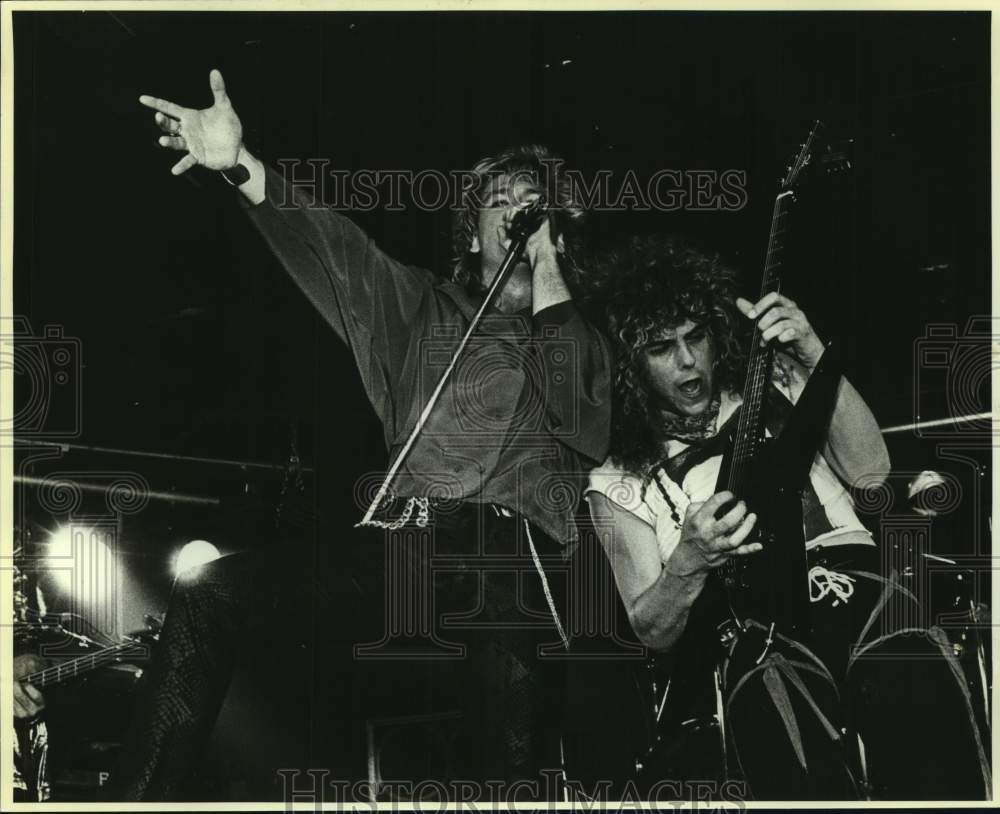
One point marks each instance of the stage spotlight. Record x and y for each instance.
(81, 562)
(195, 553)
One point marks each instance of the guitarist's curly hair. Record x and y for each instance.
(642, 288)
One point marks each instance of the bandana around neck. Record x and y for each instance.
(693, 428)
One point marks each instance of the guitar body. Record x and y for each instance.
(770, 586)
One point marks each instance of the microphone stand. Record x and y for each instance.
(524, 224)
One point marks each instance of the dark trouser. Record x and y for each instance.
(266, 637)
(513, 703)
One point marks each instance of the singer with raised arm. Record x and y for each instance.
(514, 426)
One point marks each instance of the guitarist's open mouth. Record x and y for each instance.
(691, 388)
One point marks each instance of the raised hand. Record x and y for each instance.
(211, 137)
(706, 541)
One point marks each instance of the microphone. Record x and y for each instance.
(526, 221)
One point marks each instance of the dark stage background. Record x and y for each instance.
(192, 341)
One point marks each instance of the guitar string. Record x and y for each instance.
(753, 371)
(88, 662)
(747, 425)
(48, 674)
(747, 416)
(757, 360)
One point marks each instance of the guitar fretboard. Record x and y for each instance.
(83, 664)
(749, 430)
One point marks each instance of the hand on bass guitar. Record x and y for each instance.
(28, 700)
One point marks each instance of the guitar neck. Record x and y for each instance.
(750, 429)
(80, 666)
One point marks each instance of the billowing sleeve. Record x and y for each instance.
(371, 301)
(577, 369)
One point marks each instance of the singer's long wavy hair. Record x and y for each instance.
(545, 170)
(646, 286)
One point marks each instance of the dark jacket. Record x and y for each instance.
(526, 414)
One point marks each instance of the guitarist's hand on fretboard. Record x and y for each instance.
(708, 541)
(781, 322)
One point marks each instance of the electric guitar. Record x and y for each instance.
(769, 587)
(769, 474)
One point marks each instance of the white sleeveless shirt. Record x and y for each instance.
(833, 522)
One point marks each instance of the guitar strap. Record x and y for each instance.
(779, 409)
(698, 452)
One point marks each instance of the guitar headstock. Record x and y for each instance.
(801, 161)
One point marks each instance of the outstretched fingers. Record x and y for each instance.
(173, 142)
(218, 86)
(163, 106)
(183, 165)
(167, 125)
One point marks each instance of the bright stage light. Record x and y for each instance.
(81, 562)
(195, 553)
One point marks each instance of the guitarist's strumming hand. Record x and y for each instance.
(782, 322)
(708, 541)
